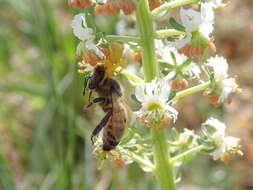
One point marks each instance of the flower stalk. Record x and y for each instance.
(163, 169)
(131, 76)
(126, 39)
(192, 90)
(186, 154)
(167, 32)
(138, 159)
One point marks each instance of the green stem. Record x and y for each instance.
(170, 5)
(192, 90)
(186, 154)
(123, 38)
(147, 41)
(167, 32)
(163, 170)
(129, 75)
(138, 159)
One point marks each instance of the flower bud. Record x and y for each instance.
(179, 84)
(154, 4)
(81, 4)
(112, 7)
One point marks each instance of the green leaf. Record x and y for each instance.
(129, 134)
(206, 72)
(100, 35)
(172, 38)
(186, 63)
(174, 134)
(189, 141)
(205, 131)
(165, 64)
(176, 25)
(172, 94)
(173, 57)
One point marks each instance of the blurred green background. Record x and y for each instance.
(44, 135)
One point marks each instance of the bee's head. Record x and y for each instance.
(97, 77)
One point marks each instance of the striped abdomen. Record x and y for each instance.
(114, 129)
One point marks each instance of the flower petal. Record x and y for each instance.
(191, 19)
(81, 32)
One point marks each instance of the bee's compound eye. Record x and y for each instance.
(100, 70)
(100, 74)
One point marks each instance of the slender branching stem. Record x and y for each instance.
(138, 159)
(192, 90)
(129, 75)
(183, 156)
(126, 39)
(171, 4)
(167, 32)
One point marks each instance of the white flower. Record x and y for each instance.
(215, 123)
(191, 19)
(186, 135)
(154, 100)
(166, 55)
(100, 1)
(85, 46)
(228, 86)
(165, 51)
(79, 28)
(207, 19)
(217, 3)
(91, 46)
(159, 44)
(181, 43)
(233, 145)
(224, 144)
(193, 70)
(220, 67)
(218, 137)
(225, 84)
(196, 21)
(86, 35)
(121, 26)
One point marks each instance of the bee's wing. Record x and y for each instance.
(130, 113)
(130, 116)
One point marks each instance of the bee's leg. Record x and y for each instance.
(86, 81)
(95, 100)
(89, 101)
(100, 126)
(90, 94)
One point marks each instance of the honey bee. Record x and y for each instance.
(110, 99)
